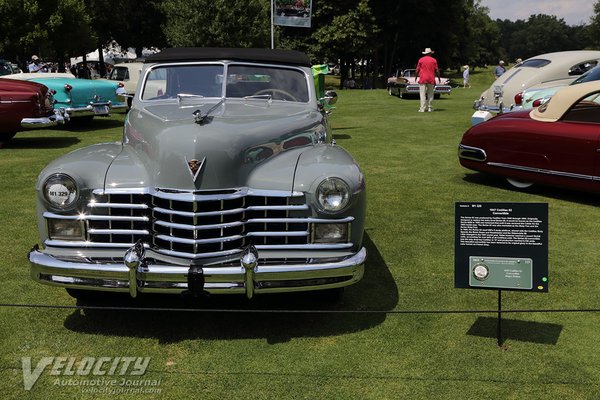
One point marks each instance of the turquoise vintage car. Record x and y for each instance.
(80, 98)
(227, 182)
(535, 96)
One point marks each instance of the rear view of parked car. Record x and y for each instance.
(81, 98)
(25, 105)
(408, 84)
(555, 144)
(544, 70)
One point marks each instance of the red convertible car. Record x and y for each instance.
(25, 105)
(556, 144)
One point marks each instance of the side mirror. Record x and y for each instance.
(330, 98)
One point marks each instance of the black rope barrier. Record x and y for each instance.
(287, 311)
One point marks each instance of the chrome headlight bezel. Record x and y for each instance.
(60, 191)
(333, 195)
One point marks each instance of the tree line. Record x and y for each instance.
(377, 37)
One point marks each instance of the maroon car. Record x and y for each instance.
(556, 144)
(25, 105)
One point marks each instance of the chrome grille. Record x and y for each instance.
(199, 224)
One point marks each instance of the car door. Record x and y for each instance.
(573, 145)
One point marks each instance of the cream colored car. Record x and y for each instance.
(129, 74)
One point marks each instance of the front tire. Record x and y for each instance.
(521, 185)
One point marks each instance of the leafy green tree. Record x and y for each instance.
(49, 28)
(593, 32)
(217, 23)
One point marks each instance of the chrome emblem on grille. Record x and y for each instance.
(195, 166)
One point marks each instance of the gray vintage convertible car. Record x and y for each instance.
(227, 181)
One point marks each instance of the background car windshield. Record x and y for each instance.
(169, 81)
(534, 63)
(591, 75)
(278, 83)
(119, 74)
(5, 68)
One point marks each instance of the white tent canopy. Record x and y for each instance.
(113, 53)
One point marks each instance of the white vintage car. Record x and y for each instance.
(227, 181)
(544, 70)
(129, 74)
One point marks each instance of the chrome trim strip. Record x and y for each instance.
(85, 217)
(277, 234)
(192, 214)
(313, 246)
(118, 205)
(118, 232)
(220, 239)
(545, 171)
(86, 244)
(198, 227)
(178, 194)
(196, 256)
(292, 207)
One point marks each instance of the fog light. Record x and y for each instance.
(330, 233)
(65, 229)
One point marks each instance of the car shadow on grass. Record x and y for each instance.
(538, 190)
(92, 125)
(53, 142)
(276, 318)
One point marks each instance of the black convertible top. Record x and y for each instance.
(271, 56)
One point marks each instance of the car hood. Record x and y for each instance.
(236, 145)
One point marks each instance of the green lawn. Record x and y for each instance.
(413, 180)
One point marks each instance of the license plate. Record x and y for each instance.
(100, 110)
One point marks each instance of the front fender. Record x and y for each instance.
(327, 161)
(87, 166)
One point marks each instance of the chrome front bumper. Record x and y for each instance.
(138, 273)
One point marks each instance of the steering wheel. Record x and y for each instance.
(280, 91)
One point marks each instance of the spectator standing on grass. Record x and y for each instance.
(500, 69)
(427, 70)
(35, 66)
(466, 76)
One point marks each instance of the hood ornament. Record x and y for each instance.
(195, 166)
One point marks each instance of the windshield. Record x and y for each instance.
(591, 75)
(119, 74)
(243, 81)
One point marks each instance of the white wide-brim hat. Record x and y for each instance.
(428, 51)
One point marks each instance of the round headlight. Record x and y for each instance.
(60, 191)
(333, 195)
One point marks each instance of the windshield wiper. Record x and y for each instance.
(187, 96)
(259, 96)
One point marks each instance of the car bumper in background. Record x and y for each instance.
(99, 109)
(60, 117)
